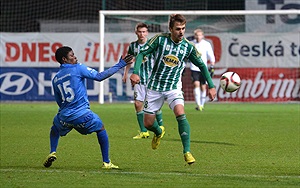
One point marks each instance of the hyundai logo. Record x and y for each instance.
(15, 83)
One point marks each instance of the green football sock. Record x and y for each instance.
(155, 128)
(140, 119)
(184, 132)
(159, 118)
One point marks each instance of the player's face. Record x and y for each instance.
(142, 33)
(71, 58)
(198, 36)
(177, 31)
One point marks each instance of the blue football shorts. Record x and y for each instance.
(86, 124)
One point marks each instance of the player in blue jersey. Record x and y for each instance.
(74, 109)
(141, 31)
(170, 51)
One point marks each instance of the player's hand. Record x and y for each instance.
(124, 79)
(135, 79)
(128, 58)
(211, 71)
(212, 93)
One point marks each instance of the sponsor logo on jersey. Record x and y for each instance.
(145, 59)
(171, 60)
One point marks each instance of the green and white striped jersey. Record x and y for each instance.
(146, 67)
(169, 58)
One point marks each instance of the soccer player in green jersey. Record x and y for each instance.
(141, 31)
(170, 51)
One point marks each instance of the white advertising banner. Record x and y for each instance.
(260, 50)
(231, 50)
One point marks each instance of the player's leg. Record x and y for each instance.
(151, 123)
(54, 137)
(159, 118)
(196, 84)
(140, 114)
(94, 124)
(57, 129)
(104, 147)
(139, 97)
(177, 105)
(153, 103)
(203, 95)
(203, 91)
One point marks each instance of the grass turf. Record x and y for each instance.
(235, 145)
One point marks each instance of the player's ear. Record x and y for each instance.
(64, 59)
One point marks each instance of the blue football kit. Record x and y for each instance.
(69, 85)
(70, 93)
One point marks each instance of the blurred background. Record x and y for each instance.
(35, 15)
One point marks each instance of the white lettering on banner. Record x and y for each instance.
(259, 87)
(44, 83)
(267, 85)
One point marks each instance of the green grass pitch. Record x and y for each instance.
(235, 145)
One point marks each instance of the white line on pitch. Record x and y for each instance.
(103, 171)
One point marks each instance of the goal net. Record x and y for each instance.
(261, 46)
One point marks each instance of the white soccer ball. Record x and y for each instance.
(230, 81)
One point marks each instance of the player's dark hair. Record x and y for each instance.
(62, 52)
(176, 18)
(140, 25)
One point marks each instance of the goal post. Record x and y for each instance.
(240, 21)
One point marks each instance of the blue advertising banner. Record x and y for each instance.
(34, 84)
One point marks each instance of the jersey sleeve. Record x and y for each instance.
(210, 53)
(91, 73)
(150, 46)
(195, 58)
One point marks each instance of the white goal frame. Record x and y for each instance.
(103, 13)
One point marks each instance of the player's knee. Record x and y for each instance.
(138, 105)
(175, 103)
(54, 130)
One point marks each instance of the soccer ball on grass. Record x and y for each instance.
(230, 81)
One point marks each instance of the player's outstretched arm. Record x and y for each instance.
(112, 70)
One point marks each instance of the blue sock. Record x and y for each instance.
(104, 145)
(54, 137)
